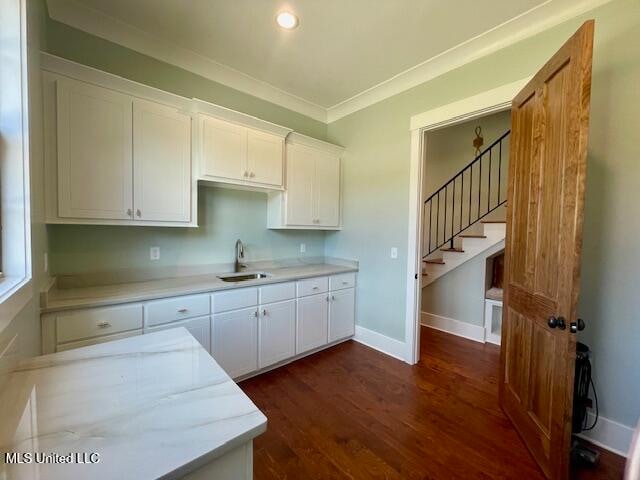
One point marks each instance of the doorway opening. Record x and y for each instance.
(464, 184)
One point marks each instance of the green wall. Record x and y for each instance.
(376, 186)
(224, 215)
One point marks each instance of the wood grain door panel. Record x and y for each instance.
(547, 170)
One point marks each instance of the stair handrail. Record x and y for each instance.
(451, 183)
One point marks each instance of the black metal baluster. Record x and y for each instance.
(444, 226)
(500, 172)
(430, 215)
(470, 188)
(438, 221)
(461, 197)
(479, 186)
(489, 190)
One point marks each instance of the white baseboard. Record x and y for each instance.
(453, 326)
(387, 345)
(610, 435)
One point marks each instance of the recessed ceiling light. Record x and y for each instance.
(287, 20)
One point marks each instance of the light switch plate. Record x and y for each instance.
(394, 252)
(154, 253)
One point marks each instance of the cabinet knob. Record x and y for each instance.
(256, 314)
(245, 174)
(251, 174)
(138, 212)
(129, 212)
(264, 312)
(104, 324)
(333, 297)
(183, 310)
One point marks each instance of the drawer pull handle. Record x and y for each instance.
(104, 325)
(183, 310)
(333, 297)
(315, 288)
(256, 314)
(345, 283)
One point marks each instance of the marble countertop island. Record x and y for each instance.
(151, 406)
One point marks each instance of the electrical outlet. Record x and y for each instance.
(394, 252)
(303, 247)
(154, 253)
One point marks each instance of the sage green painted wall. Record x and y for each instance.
(376, 182)
(224, 215)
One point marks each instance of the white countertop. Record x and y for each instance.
(65, 299)
(151, 406)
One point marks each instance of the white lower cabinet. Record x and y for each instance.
(234, 342)
(312, 320)
(200, 328)
(277, 332)
(342, 314)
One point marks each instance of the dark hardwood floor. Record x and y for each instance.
(352, 412)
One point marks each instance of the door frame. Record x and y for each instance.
(490, 101)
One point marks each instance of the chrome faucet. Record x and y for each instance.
(239, 256)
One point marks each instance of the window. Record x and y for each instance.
(15, 233)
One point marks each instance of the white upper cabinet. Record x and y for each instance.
(312, 199)
(115, 158)
(94, 139)
(237, 149)
(223, 149)
(161, 163)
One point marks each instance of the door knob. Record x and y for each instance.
(559, 322)
(577, 326)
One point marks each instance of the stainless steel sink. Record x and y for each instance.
(243, 277)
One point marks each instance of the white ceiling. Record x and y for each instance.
(342, 50)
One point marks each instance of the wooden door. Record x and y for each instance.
(234, 341)
(301, 174)
(265, 155)
(276, 332)
(223, 149)
(327, 191)
(161, 163)
(94, 152)
(549, 122)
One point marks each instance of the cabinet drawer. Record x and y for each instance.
(343, 280)
(313, 286)
(168, 310)
(95, 340)
(97, 321)
(234, 299)
(277, 293)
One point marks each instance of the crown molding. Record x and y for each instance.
(96, 23)
(527, 24)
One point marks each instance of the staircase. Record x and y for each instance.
(466, 216)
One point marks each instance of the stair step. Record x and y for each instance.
(454, 249)
(493, 221)
(435, 261)
(472, 236)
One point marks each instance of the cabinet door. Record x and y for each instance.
(223, 149)
(312, 319)
(95, 169)
(161, 163)
(301, 174)
(342, 322)
(234, 343)
(277, 332)
(200, 328)
(265, 153)
(327, 191)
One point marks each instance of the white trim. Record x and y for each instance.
(441, 116)
(97, 23)
(453, 326)
(387, 345)
(525, 25)
(485, 103)
(609, 434)
(489, 306)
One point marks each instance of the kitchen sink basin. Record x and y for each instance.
(243, 277)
